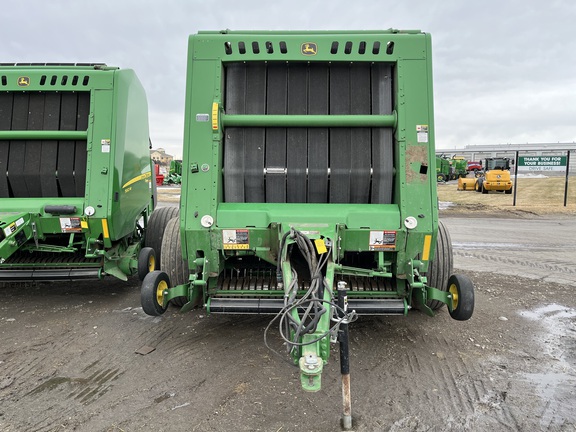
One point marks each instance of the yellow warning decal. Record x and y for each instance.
(105, 228)
(320, 246)
(84, 224)
(427, 243)
(215, 116)
(236, 246)
(138, 178)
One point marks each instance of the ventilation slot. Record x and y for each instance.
(348, 48)
(228, 48)
(4, 81)
(334, 48)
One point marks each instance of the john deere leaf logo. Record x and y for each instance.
(23, 81)
(309, 49)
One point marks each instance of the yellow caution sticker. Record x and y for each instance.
(235, 239)
(320, 246)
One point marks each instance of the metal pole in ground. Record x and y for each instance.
(515, 184)
(344, 357)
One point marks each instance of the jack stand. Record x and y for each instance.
(344, 356)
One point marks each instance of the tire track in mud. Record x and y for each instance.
(564, 268)
(431, 376)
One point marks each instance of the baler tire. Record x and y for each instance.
(462, 291)
(151, 292)
(146, 262)
(172, 262)
(440, 268)
(156, 225)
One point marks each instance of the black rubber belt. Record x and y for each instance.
(361, 157)
(340, 149)
(6, 100)
(255, 138)
(66, 149)
(276, 137)
(318, 137)
(32, 152)
(297, 138)
(234, 138)
(382, 144)
(49, 152)
(18, 148)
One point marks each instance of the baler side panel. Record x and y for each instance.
(132, 168)
(202, 150)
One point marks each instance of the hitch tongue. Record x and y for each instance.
(311, 371)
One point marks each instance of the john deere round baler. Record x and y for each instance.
(309, 188)
(75, 173)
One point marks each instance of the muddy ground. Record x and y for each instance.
(69, 362)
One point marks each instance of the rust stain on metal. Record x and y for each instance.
(416, 156)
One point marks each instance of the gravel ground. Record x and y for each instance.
(69, 358)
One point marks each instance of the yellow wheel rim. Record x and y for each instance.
(454, 291)
(151, 263)
(162, 286)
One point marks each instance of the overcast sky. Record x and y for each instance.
(504, 71)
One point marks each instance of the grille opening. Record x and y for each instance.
(334, 48)
(241, 47)
(269, 48)
(86, 80)
(43, 80)
(283, 47)
(348, 47)
(362, 47)
(255, 47)
(64, 80)
(4, 80)
(376, 48)
(228, 48)
(75, 80)
(53, 80)
(390, 47)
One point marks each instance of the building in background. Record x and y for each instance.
(160, 157)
